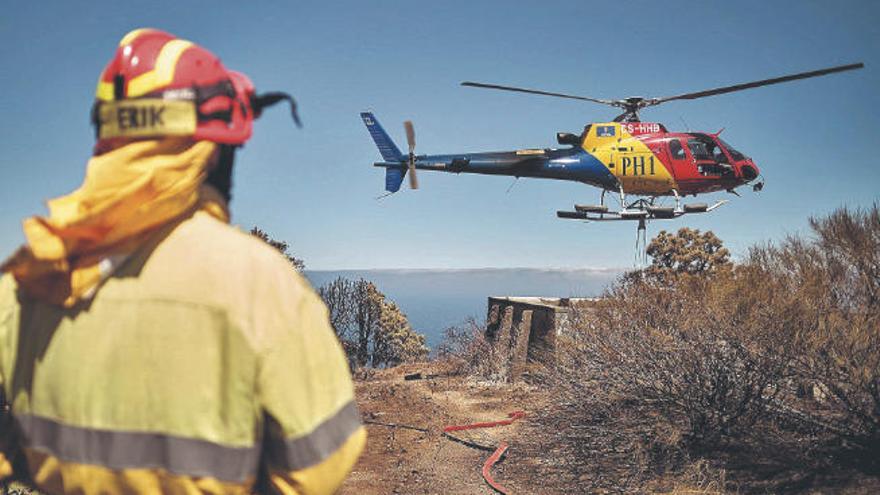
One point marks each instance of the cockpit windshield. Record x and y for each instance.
(712, 147)
(736, 155)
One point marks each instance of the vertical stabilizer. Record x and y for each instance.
(387, 148)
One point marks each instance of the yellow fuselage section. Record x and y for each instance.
(637, 168)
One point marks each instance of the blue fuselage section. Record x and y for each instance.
(572, 164)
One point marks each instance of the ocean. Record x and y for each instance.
(435, 300)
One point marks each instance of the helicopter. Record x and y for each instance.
(623, 157)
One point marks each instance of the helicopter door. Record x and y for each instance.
(682, 164)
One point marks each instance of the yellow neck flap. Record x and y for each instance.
(127, 195)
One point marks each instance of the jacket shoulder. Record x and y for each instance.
(222, 247)
(205, 261)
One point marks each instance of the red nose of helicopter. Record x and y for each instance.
(749, 173)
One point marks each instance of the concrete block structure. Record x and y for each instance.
(525, 328)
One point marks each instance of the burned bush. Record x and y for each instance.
(681, 348)
(777, 357)
(465, 350)
(835, 350)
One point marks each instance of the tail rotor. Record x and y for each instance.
(411, 160)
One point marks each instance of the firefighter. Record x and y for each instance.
(145, 345)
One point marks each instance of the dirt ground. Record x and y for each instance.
(406, 461)
(400, 460)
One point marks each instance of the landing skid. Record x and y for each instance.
(642, 209)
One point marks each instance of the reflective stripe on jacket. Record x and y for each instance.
(204, 361)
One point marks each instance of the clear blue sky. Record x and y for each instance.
(815, 140)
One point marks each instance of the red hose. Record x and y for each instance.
(502, 448)
(515, 415)
(499, 452)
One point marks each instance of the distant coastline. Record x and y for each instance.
(436, 299)
(475, 270)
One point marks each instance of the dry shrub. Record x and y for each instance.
(655, 375)
(697, 478)
(681, 348)
(666, 370)
(835, 346)
(465, 350)
(373, 331)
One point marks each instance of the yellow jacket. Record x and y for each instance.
(204, 364)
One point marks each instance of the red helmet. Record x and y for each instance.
(159, 85)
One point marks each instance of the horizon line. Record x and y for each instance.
(461, 269)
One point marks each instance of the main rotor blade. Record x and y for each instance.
(538, 92)
(754, 84)
(410, 135)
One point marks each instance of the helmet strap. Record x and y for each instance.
(261, 101)
(118, 87)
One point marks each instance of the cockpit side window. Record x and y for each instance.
(676, 150)
(698, 149)
(716, 152)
